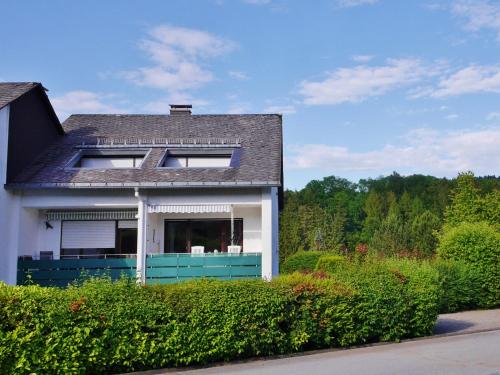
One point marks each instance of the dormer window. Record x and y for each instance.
(219, 158)
(109, 159)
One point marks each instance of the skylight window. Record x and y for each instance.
(109, 159)
(197, 159)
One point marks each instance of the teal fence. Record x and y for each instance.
(171, 268)
(160, 268)
(62, 272)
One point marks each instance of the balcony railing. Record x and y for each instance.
(160, 268)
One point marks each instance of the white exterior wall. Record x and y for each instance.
(9, 209)
(257, 207)
(270, 212)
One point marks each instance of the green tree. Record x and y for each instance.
(374, 210)
(423, 230)
(467, 204)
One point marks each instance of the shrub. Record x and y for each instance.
(477, 244)
(460, 284)
(401, 297)
(106, 327)
(302, 261)
(329, 263)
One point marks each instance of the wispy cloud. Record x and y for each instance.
(283, 109)
(237, 75)
(239, 108)
(362, 58)
(420, 151)
(354, 3)
(470, 80)
(83, 102)
(478, 15)
(351, 85)
(179, 58)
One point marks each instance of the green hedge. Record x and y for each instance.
(302, 261)
(401, 296)
(477, 244)
(460, 284)
(105, 327)
(330, 262)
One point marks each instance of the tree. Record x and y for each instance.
(423, 233)
(374, 210)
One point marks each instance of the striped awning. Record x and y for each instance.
(189, 208)
(91, 215)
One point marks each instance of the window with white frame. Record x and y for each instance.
(197, 159)
(109, 159)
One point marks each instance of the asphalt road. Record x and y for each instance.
(471, 354)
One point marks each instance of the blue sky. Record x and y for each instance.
(366, 87)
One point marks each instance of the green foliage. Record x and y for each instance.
(477, 244)
(468, 205)
(423, 229)
(105, 327)
(460, 284)
(401, 212)
(330, 263)
(301, 261)
(400, 297)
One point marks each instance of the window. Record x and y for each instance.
(213, 234)
(94, 239)
(197, 159)
(106, 159)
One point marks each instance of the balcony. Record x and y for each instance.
(160, 268)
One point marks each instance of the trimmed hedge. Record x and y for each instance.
(105, 327)
(302, 261)
(402, 297)
(477, 244)
(460, 284)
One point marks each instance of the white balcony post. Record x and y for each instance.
(232, 225)
(269, 232)
(142, 215)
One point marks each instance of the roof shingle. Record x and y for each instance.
(260, 152)
(10, 91)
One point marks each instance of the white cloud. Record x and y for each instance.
(239, 108)
(493, 116)
(179, 56)
(237, 75)
(351, 85)
(473, 79)
(83, 102)
(420, 151)
(479, 14)
(283, 109)
(354, 3)
(451, 116)
(362, 58)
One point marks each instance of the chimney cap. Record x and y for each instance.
(180, 109)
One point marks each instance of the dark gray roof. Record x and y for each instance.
(258, 139)
(10, 91)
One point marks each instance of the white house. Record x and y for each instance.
(140, 188)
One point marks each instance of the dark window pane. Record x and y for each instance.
(176, 237)
(127, 241)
